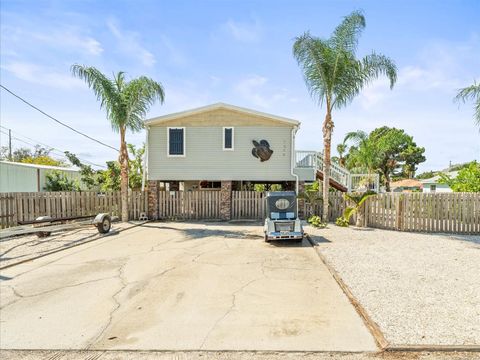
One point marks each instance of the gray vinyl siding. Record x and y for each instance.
(205, 158)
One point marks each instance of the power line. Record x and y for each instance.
(55, 150)
(56, 120)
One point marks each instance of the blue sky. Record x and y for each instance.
(239, 52)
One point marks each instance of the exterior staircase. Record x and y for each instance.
(340, 178)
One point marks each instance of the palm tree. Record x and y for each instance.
(364, 153)
(126, 104)
(334, 76)
(341, 149)
(471, 92)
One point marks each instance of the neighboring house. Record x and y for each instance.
(433, 185)
(200, 148)
(406, 185)
(20, 177)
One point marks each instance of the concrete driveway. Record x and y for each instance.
(179, 286)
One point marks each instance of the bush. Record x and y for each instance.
(316, 221)
(58, 181)
(341, 221)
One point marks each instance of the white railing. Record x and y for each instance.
(305, 159)
(353, 182)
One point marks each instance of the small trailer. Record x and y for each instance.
(281, 220)
(45, 225)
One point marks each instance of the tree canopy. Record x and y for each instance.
(389, 151)
(467, 180)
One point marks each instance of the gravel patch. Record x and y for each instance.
(21, 248)
(419, 288)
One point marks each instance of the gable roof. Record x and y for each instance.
(436, 178)
(406, 183)
(218, 106)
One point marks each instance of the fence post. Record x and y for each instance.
(399, 213)
(226, 200)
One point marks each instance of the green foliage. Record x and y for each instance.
(43, 160)
(40, 156)
(341, 221)
(316, 221)
(58, 181)
(358, 199)
(332, 72)
(467, 180)
(89, 176)
(389, 151)
(109, 179)
(135, 173)
(126, 104)
(267, 187)
(472, 93)
(426, 175)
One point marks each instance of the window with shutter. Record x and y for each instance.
(176, 141)
(227, 138)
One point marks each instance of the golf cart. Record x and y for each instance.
(281, 220)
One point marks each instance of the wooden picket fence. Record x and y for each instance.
(444, 212)
(27, 206)
(248, 205)
(189, 205)
(337, 205)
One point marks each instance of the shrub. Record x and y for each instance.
(316, 221)
(341, 221)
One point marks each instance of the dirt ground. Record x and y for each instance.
(419, 288)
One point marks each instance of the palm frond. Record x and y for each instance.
(315, 57)
(374, 65)
(139, 95)
(346, 35)
(103, 88)
(468, 93)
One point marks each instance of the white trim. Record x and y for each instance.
(168, 117)
(184, 141)
(233, 138)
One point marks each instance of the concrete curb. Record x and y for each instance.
(374, 329)
(69, 247)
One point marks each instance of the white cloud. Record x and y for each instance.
(71, 40)
(41, 75)
(253, 89)
(66, 38)
(129, 43)
(247, 32)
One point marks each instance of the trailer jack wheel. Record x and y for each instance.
(105, 225)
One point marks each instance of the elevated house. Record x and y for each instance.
(222, 147)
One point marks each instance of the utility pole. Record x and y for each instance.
(10, 144)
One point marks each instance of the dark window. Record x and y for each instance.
(210, 184)
(175, 146)
(228, 142)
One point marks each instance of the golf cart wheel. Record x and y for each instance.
(105, 225)
(266, 238)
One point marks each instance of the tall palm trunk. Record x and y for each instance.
(123, 160)
(327, 143)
